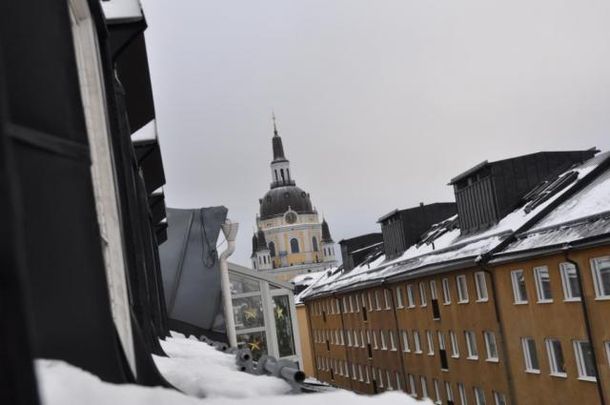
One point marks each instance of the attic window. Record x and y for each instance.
(542, 194)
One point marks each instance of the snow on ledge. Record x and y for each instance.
(205, 371)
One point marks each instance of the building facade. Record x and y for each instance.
(515, 313)
(290, 238)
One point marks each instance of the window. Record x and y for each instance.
(543, 284)
(569, 280)
(405, 341)
(314, 243)
(356, 344)
(601, 276)
(383, 343)
(389, 380)
(499, 399)
(351, 303)
(424, 387)
(399, 297)
(416, 341)
(530, 356)
(479, 396)
(363, 301)
(422, 295)
(455, 349)
(462, 392)
(377, 301)
(481, 286)
(294, 245)
(433, 294)
(370, 308)
(491, 346)
(519, 290)
(375, 340)
(437, 392)
(584, 360)
(449, 392)
(368, 376)
(410, 296)
(446, 292)
(349, 338)
(392, 341)
(386, 296)
(430, 343)
(412, 387)
(471, 345)
(272, 249)
(360, 375)
(462, 289)
(380, 375)
(556, 360)
(362, 341)
(398, 382)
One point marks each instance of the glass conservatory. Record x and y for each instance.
(264, 313)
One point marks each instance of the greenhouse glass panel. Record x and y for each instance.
(283, 325)
(248, 312)
(242, 285)
(255, 341)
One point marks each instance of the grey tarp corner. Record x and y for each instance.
(191, 273)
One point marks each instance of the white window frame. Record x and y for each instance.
(600, 294)
(552, 356)
(388, 378)
(490, 338)
(437, 392)
(423, 301)
(410, 296)
(538, 271)
(480, 282)
(412, 386)
(449, 392)
(399, 303)
(370, 299)
(499, 399)
(392, 340)
(455, 348)
(377, 301)
(430, 341)
(433, 291)
(463, 395)
(518, 298)
(471, 345)
(462, 288)
(568, 294)
(580, 361)
(446, 291)
(384, 346)
(375, 346)
(479, 400)
(424, 387)
(386, 296)
(417, 342)
(406, 347)
(527, 355)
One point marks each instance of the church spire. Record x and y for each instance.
(278, 148)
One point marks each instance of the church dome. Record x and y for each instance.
(278, 200)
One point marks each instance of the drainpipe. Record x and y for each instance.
(585, 313)
(482, 263)
(229, 229)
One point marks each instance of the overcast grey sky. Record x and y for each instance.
(379, 102)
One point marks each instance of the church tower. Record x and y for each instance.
(289, 233)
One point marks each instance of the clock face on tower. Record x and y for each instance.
(290, 217)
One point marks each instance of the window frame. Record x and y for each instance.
(568, 294)
(462, 394)
(538, 281)
(518, 299)
(552, 357)
(406, 346)
(410, 296)
(481, 286)
(479, 400)
(527, 355)
(430, 343)
(423, 301)
(471, 345)
(462, 294)
(490, 336)
(446, 291)
(455, 348)
(597, 280)
(399, 301)
(580, 361)
(417, 342)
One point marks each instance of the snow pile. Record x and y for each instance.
(199, 370)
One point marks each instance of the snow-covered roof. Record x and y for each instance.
(451, 248)
(204, 375)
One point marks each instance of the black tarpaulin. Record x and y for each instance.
(191, 270)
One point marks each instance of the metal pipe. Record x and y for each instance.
(230, 232)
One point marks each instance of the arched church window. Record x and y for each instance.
(282, 173)
(314, 242)
(294, 245)
(288, 173)
(272, 249)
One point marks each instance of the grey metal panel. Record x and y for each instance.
(190, 267)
